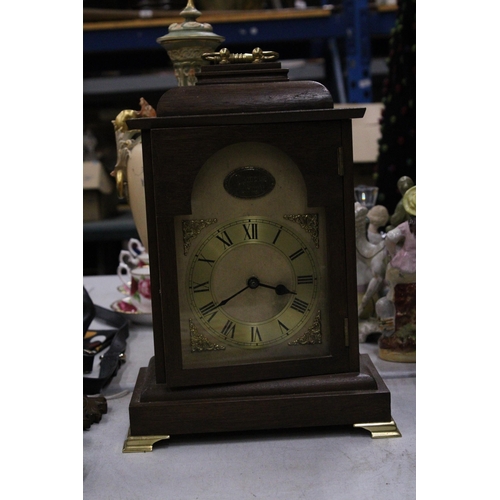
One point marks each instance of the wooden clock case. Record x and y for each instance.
(233, 103)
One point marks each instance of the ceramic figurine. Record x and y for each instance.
(398, 340)
(128, 170)
(400, 215)
(378, 216)
(370, 269)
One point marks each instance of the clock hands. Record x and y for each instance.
(254, 283)
(225, 301)
(279, 289)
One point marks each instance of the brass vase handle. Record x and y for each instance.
(121, 180)
(225, 57)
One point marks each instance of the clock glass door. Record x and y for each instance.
(253, 264)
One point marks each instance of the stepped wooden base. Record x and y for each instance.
(157, 412)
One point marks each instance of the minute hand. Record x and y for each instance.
(225, 301)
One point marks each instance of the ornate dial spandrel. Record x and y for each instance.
(312, 335)
(200, 343)
(309, 223)
(192, 228)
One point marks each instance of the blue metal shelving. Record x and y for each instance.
(355, 23)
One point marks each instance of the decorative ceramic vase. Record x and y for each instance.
(136, 195)
(186, 42)
(128, 170)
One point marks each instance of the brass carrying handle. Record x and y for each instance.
(121, 180)
(225, 57)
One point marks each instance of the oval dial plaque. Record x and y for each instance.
(249, 182)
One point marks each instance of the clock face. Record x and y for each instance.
(251, 263)
(253, 283)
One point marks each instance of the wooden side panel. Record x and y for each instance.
(159, 340)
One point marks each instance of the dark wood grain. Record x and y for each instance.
(313, 146)
(305, 402)
(232, 105)
(220, 98)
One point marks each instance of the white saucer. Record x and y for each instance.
(124, 306)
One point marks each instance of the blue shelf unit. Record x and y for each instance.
(354, 23)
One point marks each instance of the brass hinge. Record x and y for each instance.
(346, 332)
(340, 160)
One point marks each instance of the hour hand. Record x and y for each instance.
(279, 289)
(283, 290)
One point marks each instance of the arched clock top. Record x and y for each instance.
(252, 177)
(312, 146)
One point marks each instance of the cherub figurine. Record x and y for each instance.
(397, 311)
(378, 216)
(400, 214)
(401, 244)
(370, 266)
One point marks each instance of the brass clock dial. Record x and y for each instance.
(252, 264)
(253, 283)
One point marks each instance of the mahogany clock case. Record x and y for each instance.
(241, 104)
(193, 125)
(169, 180)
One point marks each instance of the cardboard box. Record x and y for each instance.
(365, 132)
(99, 193)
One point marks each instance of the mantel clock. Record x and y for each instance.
(250, 213)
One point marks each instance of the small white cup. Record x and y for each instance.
(140, 289)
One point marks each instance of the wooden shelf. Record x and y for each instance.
(222, 16)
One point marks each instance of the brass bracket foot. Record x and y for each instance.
(381, 429)
(136, 444)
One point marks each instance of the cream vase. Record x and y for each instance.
(135, 192)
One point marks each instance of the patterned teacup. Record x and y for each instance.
(140, 289)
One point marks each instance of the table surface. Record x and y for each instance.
(307, 464)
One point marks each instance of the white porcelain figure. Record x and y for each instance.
(378, 216)
(370, 268)
(370, 259)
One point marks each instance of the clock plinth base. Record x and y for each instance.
(157, 412)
